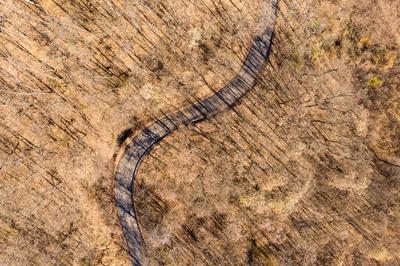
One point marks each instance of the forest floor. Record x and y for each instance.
(305, 170)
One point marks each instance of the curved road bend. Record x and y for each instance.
(142, 144)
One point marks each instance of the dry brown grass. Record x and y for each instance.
(304, 172)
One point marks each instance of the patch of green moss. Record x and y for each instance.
(375, 82)
(316, 55)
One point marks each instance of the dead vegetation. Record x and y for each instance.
(304, 171)
(73, 75)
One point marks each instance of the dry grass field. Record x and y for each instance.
(305, 170)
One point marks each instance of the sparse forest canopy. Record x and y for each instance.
(305, 170)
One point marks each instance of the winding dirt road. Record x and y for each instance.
(139, 146)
